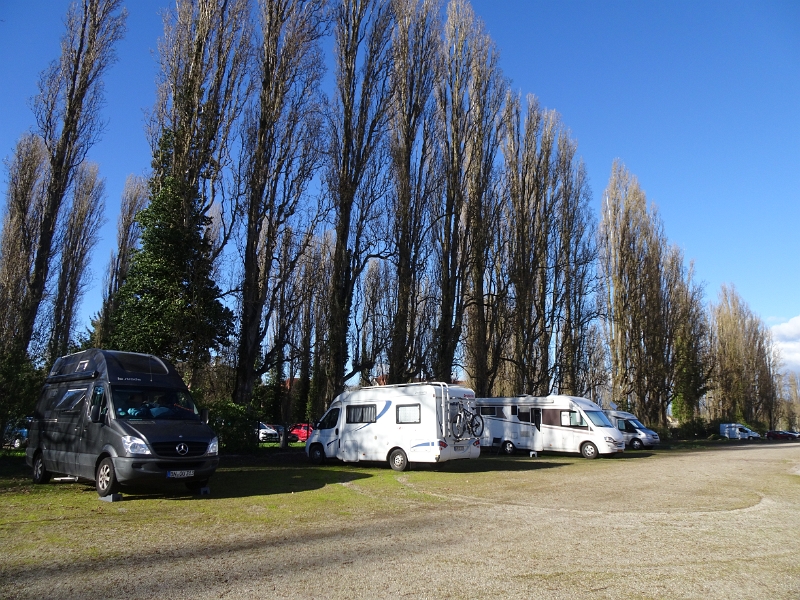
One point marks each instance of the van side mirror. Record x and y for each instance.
(95, 414)
(204, 416)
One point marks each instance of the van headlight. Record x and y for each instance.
(213, 447)
(610, 440)
(134, 445)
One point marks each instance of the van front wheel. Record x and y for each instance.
(636, 444)
(589, 450)
(106, 478)
(508, 448)
(398, 460)
(316, 454)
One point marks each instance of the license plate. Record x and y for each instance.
(459, 448)
(180, 474)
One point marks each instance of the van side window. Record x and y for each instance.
(330, 420)
(364, 413)
(408, 413)
(488, 411)
(524, 416)
(621, 424)
(99, 398)
(570, 418)
(513, 411)
(71, 399)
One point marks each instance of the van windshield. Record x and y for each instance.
(598, 418)
(636, 423)
(152, 404)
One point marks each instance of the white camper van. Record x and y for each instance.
(636, 435)
(400, 424)
(511, 424)
(737, 431)
(565, 423)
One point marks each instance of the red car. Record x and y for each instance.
(301, 430)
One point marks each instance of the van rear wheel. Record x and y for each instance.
(589, 450)
(106, 478)
(40, 473)
(398, 460)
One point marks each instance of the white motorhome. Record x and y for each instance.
(511, 424)
(636, 435)
(565, 424)
(400, 424)
(737, 431)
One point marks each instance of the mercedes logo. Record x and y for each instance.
(182, 448)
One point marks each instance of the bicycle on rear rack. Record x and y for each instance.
(466, 421)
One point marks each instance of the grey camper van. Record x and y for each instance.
(117, 418)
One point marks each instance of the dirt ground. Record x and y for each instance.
(718, 523)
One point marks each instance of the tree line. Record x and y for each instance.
(419, 220)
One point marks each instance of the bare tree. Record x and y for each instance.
(81, 234)
(355, 176)
(283, 137)
(415, 53)
(67, 111)
(204, 59)
(25, 201)
(134, 199)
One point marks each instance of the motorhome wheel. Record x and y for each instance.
(398, 460)
(636, 444)
(106, 478)
(508, 447)
(40, 473)
(316, 455)
(589, 450)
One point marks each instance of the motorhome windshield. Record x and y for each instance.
(598, 418)
(636, 423)
(152, 404)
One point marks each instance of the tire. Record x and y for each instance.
(17, 443)
(196, 486)
(398, 460)
(507, 448)
(476, 425)
(106, 478)
(316, 454)
(40, 473)
(589, 450)
(636, 444)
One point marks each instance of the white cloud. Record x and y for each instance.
(787, 338)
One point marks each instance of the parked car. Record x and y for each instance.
(779, 435)
(16, 433)
(795, 434)
(301, 430)
(280, 430)
(266, 433)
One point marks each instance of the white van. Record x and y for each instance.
(636, 435)
(396, 423)
(737, 431)
(510, 424)
(566, 424)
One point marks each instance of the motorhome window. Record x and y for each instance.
(570, 418)
(598, 418)
(139, 363)
(621, 424)
(99, 398)
(330, 419)
(524, 416)
(152, 403)
(408, 413)
(488, 411)
(71, 399)
(364, 413)
(513, 411)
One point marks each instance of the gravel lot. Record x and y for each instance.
(718, 523)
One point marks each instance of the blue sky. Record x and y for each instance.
(700, 100)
